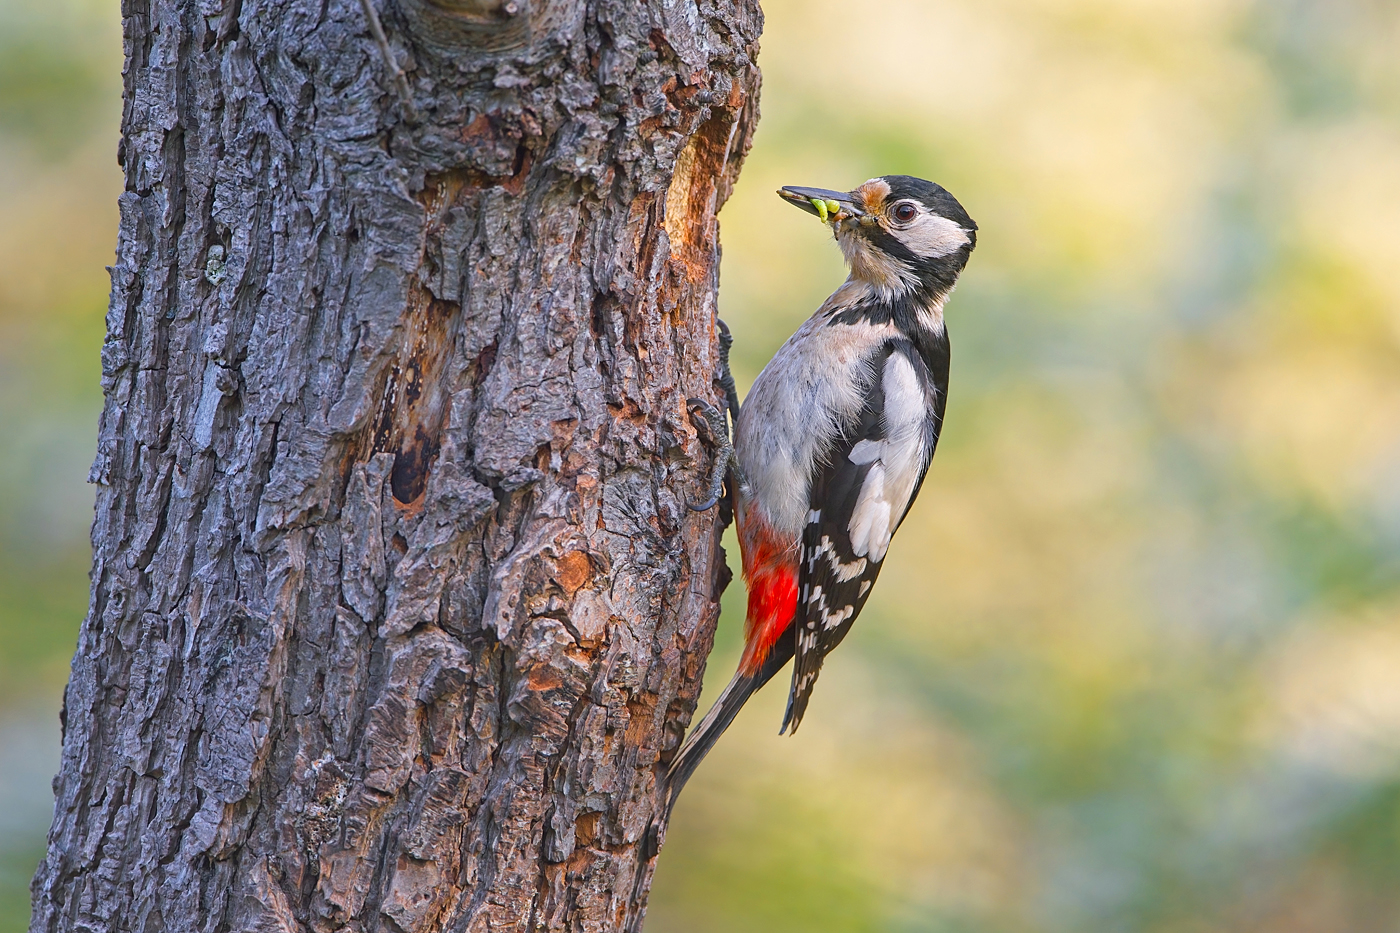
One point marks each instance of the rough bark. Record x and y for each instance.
(397, 608)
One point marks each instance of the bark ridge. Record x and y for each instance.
(397, 608)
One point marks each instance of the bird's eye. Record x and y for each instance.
(905, 212)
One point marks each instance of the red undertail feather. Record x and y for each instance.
(770, 569)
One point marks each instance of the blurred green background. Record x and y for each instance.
(1134, 661)
(60, 107)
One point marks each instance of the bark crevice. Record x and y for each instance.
(398, 610)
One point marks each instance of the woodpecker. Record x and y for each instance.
(831, 445)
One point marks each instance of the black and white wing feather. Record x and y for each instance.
(858, 497)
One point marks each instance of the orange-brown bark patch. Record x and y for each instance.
(572, 571)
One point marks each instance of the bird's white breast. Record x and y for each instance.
(791, 417)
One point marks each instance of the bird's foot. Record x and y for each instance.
(712, 423)
(726, 378)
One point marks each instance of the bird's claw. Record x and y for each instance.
(713, 422)
(726, 378)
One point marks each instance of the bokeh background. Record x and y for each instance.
(1134, 661)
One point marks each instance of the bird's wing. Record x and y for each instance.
(858, 497)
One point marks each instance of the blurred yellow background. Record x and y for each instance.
(1134, 661)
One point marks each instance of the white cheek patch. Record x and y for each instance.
(895, 462)
(932, 236)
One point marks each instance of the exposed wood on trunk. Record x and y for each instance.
(397, 607)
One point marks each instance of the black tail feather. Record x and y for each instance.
(706, 733)
(797, 699)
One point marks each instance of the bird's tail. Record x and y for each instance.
(706, 733)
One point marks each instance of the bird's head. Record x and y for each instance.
(899, 234)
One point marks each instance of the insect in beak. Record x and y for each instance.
(827, 205)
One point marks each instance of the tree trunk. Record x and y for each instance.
(397, 607)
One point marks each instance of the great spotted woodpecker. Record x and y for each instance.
(832, 443)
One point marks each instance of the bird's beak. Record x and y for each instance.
(828, 205)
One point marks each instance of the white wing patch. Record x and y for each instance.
(830, 619)
(895, 461)
(842, 572)
(865, 452)
(870, 522)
